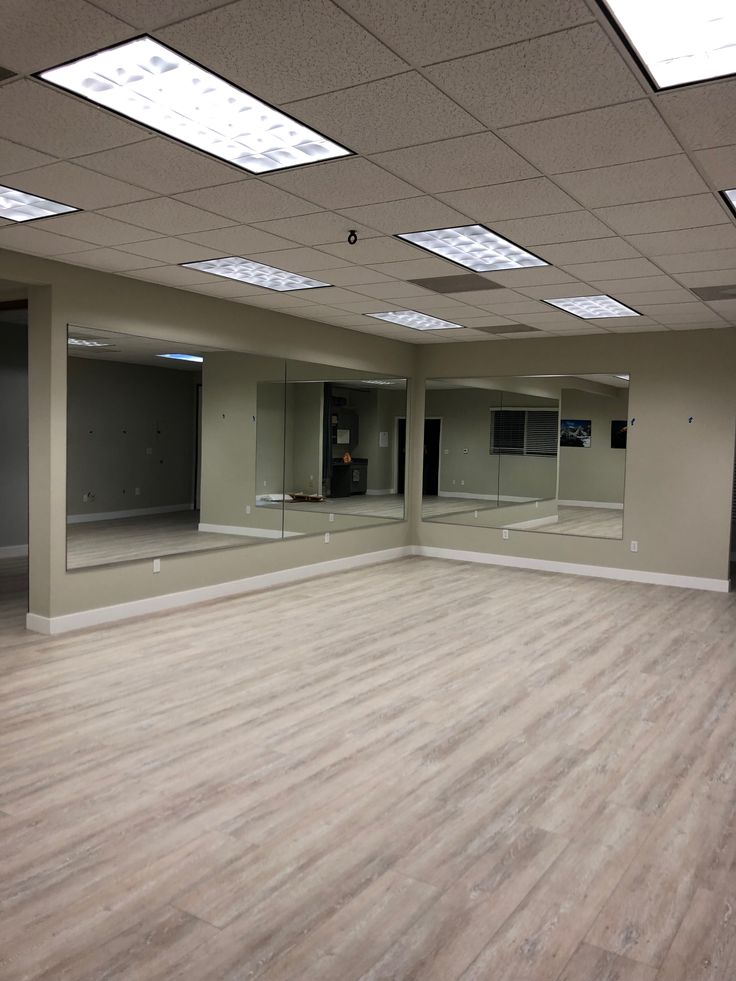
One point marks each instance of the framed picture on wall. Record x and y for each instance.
(575, 432)
(619, 428)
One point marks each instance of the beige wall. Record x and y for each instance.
(595, 473)
(13, 435)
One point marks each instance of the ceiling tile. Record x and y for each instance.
(302, 260)
(596, 138)
(725, 309)
(698, 261)
(369, 306)
(161, 165)
(592, 250)
(277, 301)
(416, 268)
(248, 200)
(169, 276)
(465, 161)
(390, 291)
(617, 269)
(227, 289)
(14, 157)
(720, 325)
(28, 237)
(518, 308)
(644, 180)
(639, 284)
(352, 276)
(359, 117)
(680, 313)
(435, 30)
(74, 185)
(488, 300)
(516, 199)
(167, 217)
(344, 184)
(372, 250)
(555, 290)
(320, 228)
(97, 229)
(70, 29)
(703, 239)
(281, 50)
(238, 240)
(549, 76)
(109, 260)
(38, 116)
(671, 214)
(171, 250)
(409, 215)
(702, 115)
(569, 227)
(147, 15)
(334, 296)
(530, 277)
(719, 165)
(654, 297)
(552, 320)
(715, 277)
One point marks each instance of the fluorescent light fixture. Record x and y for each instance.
(415, 320)
(593, 307)
(20, 206)
(376, 381)
(678, 42)
(255, 273)
(86, 342)
(183, 357)
(730, 198)
(623, 377)
(474, 247)
(162, 90)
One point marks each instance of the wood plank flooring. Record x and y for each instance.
(419, 771)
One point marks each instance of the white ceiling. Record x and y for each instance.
(525, 115)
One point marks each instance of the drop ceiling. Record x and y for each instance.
(526, 116)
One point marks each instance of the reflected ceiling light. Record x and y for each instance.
(415, 320)
(623, 377)
(183, 357)
(149, 83)
(475, 247)
(86, 342)
(255, 273)
(377, 381)
(20, 206)
(593, 307)
(678, 42)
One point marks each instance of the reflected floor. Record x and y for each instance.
(436, 507)
(366, 505)
(590, 522)
(92, 543)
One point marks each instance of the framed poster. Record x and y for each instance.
(575, 432)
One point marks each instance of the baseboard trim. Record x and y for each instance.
(572, 568)
(610, 506)
(188, 597)
(380, 493)
(76, 519)
(247, 532)
(13, 551)
(489, 497)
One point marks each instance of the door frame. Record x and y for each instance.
(395, 467)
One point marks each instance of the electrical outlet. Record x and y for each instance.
(149, 451)
(247, 508)
(634, 546)
(505, 534)
(332, 517)
(327, 538)
(137, 492)
(157, 565)
(475, 514)
(462, 483)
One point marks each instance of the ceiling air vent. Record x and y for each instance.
(462, 283)
(509, 329)
(5, 73)
(711, 293)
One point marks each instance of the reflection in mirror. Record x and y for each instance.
(542, 454)
(344, 460)
(167, 455)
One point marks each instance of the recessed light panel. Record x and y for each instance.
(255, 273)
(19, 206)
(593, 307)
(475, 247)
(679, 41)
(164, 91)
(730, 197)
(183, 357)
(415, 320)
(86, 342)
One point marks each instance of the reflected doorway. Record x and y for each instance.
(430, 458)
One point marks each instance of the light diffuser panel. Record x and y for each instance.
(149, 83)
(593, 307)
(20, 206)
(415, 320)
(679, 41)
(475, 247)
(197, 358)
(255, 273)
(86, 342)
(730, 197)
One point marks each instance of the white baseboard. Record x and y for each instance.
(201, 594)
(247, 532)
(75, 519)
(572, 568)
(534, 522)
(13, 551)
(611, 505)
(380, 493)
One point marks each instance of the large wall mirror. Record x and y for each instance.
(174, 449)
(545, 454)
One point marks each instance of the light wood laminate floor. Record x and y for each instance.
(422, 770)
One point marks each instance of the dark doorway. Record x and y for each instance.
(431, 457)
